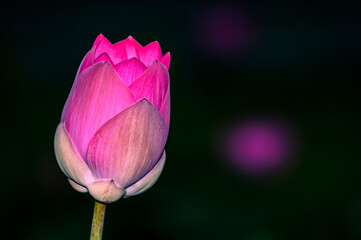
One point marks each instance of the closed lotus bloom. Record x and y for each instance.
(115, 122)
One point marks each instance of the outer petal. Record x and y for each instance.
(68, 158)
(78, 187)
(129, 145)
(98, 96)
(165, 109)
(86, 62)
(152, 84)
(148, 180)
(150, 53)
(130, 70)
(166, 60)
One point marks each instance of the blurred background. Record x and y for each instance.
(264, 141)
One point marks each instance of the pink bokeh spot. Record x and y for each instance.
(259, 147)
(224, 29)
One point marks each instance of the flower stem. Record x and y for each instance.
(98, 221)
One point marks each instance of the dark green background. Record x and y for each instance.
(304, 66)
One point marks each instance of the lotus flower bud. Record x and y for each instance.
(114, 126)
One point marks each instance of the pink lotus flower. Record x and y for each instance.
(115, 122)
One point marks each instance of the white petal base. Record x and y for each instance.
(105, 191)
(77, 187)
(82, 179)
(148, 180)
(68, 158)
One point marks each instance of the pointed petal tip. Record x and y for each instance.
(104, 57)
(108, 63)
(166, 60)
(144, 101)
(132, 41)
(99, 65)
(129, 70)
(154, 79)
(157, 63)
(98, 39)
(164, 65)
(155, 43)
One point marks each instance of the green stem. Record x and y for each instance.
(98, 221)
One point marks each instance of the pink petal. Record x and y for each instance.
(129, 145)
(114, 53)
(131, 50)
(68, 158)
(150, 53)
(130, 46)
(98, 96)
(152, 84)
(66, 110)
(166, 60)
(130, 70)
(86, 62)
(104, 57)
(99, 38)
(120, 54)
(102, 45)
(165, 109)
(148, 180)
